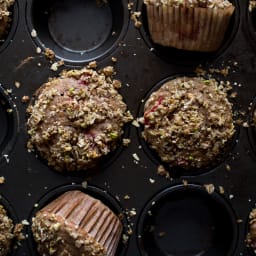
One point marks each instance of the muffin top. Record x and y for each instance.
(217, 4)
(6, 235)
(77, 118)
(188, 121)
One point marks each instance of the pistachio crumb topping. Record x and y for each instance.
(77, 118)
(188, 121)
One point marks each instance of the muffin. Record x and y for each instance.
(76, 224)
(5, 13)
(77, 118)
(6, 232)
(251, 236)
(193, 25)
(188, 122)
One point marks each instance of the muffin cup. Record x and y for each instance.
(193, 29)
(95, 215)
(187, 220)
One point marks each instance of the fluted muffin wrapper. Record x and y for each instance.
(86, 224)
(193, 29)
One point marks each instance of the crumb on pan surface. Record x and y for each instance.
(77, 118)
(76, 224)
(188, 122)
(6, 232)
(5, 15)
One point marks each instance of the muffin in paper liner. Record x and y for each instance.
(191, 28)
(76, 224)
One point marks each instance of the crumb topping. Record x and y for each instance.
(77, 118)
(188, 121)
(251, 236)
(216, 4)
(6, 235)
(5, 14)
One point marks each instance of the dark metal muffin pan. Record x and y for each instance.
(186, 220)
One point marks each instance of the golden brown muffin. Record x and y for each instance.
(77, 119)
(76, 224)
(188, 122)
(6, 229)
(5, 6)
(194, 25)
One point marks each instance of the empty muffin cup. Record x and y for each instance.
(9, 124)
(77, 31)
(88, 220)
(187, 220)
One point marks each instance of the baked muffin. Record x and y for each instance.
(6, 232)
(194, 25)
(251, 236)
(188, 122)
(5, 13)
(77, 119)
(76, 224)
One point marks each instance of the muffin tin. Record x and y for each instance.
(176, 215)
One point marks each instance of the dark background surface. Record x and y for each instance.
(28, 179)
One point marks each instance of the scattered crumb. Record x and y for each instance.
(162, 171)
(36, 205)
(135, 156)
(152, 181)
(125, 238)
(132, 213)
(17, 84)
(126, 197)
(2, 180)
(209, 188)
(9, 110)
(239, 220)
(25, 99)
(135, 18)
(49, 54)
(33, 33)
(185, 182)
(221, 190)
(56, 65)
(130, 5)
(126, 142)
(129, 231)
(161, 234)
(231, 196)
(24, 62)
(135, 123)
(38, 50)
(228, 168)
(92, 64)
(114, 60)
(85, 184)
